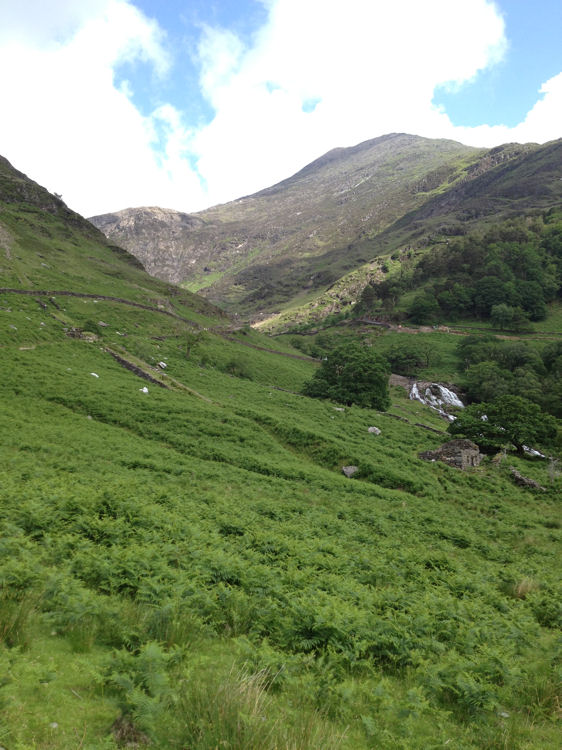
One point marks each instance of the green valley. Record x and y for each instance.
(183, 563)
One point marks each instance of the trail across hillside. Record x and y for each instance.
(66, 293)
(458, 330)
(225, 335)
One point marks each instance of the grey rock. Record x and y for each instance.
(462, 454)
(349, 471)
(374, 430)
(525, 481)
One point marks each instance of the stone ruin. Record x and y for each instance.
(462, 454)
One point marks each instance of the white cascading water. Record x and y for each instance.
(437, 397)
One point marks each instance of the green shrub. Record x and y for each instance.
(238, 367)
(352, 374)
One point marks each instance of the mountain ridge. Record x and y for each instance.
(292, 241)
(326, 204)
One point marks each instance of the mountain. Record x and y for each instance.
(289, 243)
(184, 562)
(47, 247)
(291, 239)
(511, 183)
(159, 237)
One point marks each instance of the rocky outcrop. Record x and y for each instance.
(522, 481)
(160, 238)
(462, 454)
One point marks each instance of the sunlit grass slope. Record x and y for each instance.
(187, 567)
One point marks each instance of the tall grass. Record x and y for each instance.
(16, 615)
(237, 713)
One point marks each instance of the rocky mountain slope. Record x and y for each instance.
(508, 182)
(293, 238)
(287, 244)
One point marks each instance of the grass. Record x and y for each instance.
(202, 282)
(183, 570)
(238, 508)
(553, 323)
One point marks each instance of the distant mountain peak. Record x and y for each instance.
(258, 253)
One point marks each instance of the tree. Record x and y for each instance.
(424, 308)
(502, 316)
(508, 419)
(520, 321)
(463, 300)
(367, 299)
(405, 358)
(532, 299)
(514, 354)
(352, 374)
(486, 380)
(474, 349)
(409, 356)
(192, 340)
(489, 292)
(552, 358)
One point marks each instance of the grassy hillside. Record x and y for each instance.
(510, 185)
(184, 565)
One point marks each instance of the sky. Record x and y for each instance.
(185, 104)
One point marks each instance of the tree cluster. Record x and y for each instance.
(508, 276)
(506, 420)
(494, 368)
(410, 356)
(352, 374)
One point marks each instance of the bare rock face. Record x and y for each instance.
(462, 454)
(162, 239)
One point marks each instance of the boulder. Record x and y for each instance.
(349, 471)
(374, 430)
(525, 481)
(462, 454)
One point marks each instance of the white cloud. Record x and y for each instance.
(541, 124)
(42, 23)
(370, 67)
(67, 124)
(318, 74)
